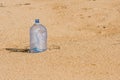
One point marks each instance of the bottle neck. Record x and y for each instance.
(37, 23)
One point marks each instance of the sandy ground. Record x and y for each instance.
(83, 40)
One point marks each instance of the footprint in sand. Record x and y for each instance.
(92, 0)
(2, 5)
(59, 9)
(54, 47)
(23, 4)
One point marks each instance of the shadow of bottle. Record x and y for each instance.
(18, 50)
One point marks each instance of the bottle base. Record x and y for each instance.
(36, 50)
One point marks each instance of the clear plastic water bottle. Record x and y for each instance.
(38, 37)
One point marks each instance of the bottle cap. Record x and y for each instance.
(37, 21)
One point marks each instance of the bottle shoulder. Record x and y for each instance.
(38, 27)
(43, 26)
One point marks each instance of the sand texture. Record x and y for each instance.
(83, 40)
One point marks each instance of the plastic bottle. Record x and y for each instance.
(38, 37)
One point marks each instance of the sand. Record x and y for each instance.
(83, 40)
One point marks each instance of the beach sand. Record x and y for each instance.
(83, 40)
